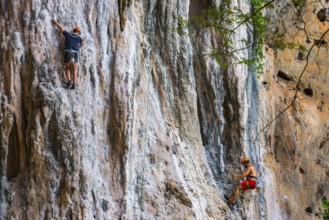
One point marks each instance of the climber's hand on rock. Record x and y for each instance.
(54, 20)
(83, 42)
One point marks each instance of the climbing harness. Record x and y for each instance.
(72, 55)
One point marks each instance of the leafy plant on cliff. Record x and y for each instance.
(259, 23)
(225, 21)
(299, 3)
(317, 44)
(325, 213)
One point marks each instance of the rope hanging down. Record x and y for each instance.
(196, 171)
(207, 95)
(75, 12)
(176, 142)
(208, 98)
(145, 145)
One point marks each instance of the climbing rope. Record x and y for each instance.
(75, 12)
(194, 165)
(176, 143)
(145, 145)
(208, 98)
(185, 162)
(258, 190)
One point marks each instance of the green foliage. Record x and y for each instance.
(299, 3)
(182, 26)
(302, 48)
(225, 20)
(325, 213)
(325, 204)
(290, 45)
(278, 41)
(259, 24)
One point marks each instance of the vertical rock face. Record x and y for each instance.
(126, 143)
(155, 128)
(297, 142)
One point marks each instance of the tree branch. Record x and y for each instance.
(251, 15)
(297, 88)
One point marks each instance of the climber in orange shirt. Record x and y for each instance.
(73, 42)
(249, 183)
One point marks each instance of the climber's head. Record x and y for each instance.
(244, 160)
(77, 30)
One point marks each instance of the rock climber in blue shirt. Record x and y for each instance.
(73, 42)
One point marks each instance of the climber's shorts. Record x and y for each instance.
(70, 55)
(248, 184)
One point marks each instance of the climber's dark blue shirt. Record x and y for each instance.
(72, 42)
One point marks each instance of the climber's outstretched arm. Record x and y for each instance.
(58, 25)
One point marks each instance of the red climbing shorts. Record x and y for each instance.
(248, 184)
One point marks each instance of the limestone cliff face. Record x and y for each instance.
(155, 128)
(297, 142)
(125, 145)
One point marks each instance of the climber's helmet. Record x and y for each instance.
(244, 160)
(77, 29)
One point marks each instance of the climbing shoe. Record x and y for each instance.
(232, 203)
(73, 86)
(69, 84)
(227, 197)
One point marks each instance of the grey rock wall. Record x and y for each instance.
(126, 144)
(155, 128)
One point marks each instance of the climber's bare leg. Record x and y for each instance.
(68, 71)
(75, 73)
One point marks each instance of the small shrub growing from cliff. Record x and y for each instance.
(259, 22)
(325, 213)
(299, 3)
(225, 21)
